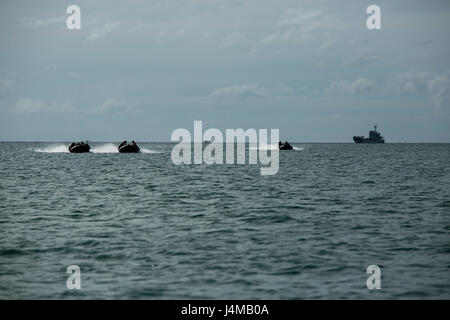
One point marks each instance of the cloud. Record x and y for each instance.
(269, 39)
(360, 56)
(72, 75)
(231, 39)
(27, 105)
(354, 87)
(411, 82)
(36, 23)
(111, 105)
(6, 84)
(302, 18)
(298, 25)
(180, 32)
(101, 31)
(437, 86)
(251, 90)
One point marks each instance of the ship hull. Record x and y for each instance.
(365, 140)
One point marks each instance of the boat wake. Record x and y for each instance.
(59, 148)
(144, 150)
(273, 147)
(111, 148)
(265, 147)
(104, 148)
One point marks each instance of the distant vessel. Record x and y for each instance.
(374, 137)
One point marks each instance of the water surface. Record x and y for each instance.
(140, 227)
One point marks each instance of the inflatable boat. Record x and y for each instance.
(79, 147)
(284, 146)
(126, 147)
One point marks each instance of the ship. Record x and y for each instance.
(374, 137)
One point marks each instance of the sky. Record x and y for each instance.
(141, 69)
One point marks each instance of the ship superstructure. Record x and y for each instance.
(374, 137)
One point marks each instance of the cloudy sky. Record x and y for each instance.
(140, 69)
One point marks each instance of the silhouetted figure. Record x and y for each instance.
(135, 145)
(123, 143)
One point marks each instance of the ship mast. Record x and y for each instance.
(375, 128)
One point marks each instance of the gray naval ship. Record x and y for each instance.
(374, 137)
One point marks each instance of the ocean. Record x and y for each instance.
(140, 227)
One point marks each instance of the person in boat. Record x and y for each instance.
(135, 145)
(79, 147)
(284, 146)
(123, 143)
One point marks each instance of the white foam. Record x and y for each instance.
(265, 147)
(274, 147)
(111, 148)
(105, 148)
(144, 150)
(59, 148)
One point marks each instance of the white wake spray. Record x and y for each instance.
(105, 148)
(144, 150)
(111, 148)
(56, 148)
(274, 147)
(265, 147)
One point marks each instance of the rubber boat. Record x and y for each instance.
(126, 147)
(284, 146)
(79, 147)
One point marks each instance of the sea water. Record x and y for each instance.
(140, 227)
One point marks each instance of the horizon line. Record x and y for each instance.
(306, 142)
